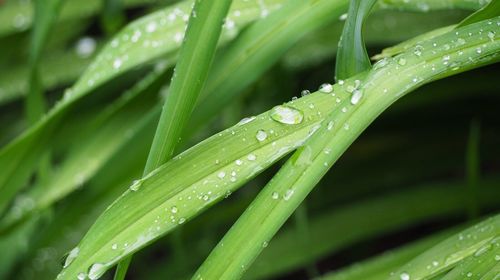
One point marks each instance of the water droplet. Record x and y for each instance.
(151, 27)
(251, 157)
(275, 195)
(491, 35)
(136, 185)
(418, 50)
(343, 17)
(356, 96)
(264, 244)
(114, 246)
(435, 263)
(469, 274)
(71, 256)
(402, 61)
(239, 162)
(497, 258)
(81, 276)
(288, 194)
(85, 47)
(286, 115)
(117, 63)
(326, 88)
(246, 120)
(261, 135)
(96, 271)
(305, 92)
(404, 276)
(221, 175)
(173, 209)
(330, 125)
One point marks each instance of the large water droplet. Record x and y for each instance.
(96, 271)
(287, 115)
(246, 120)
(356, 96)
(404, 276)
(71, 256)
(326, 88)
(261, 135)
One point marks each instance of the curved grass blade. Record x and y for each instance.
(190, 74)
(160, 33)
(484, 264)
(380, 266)
(192, 181)
(352, 57)
(110, 130)
(258, 48)
(368, 219)
(374, 91)
(490, 10)
(473, 241)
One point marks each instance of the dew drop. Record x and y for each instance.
(96, 271)
(326, 88)
(251, 157)
(81, 276)
(356, 96)
(265, 244)
(85, 47)
(114, 246)
(174, 209)
(151, 27)
(402, 61)
(239, 162)
(330, 125)
(246, 120)
(136, 185)
(221, 175)
(404, 276)
(491, 35)
(71, 256)
(181, 221)
(275, 195)
(261, 135)
(286, 115)
(343, 17)
(288, 194)
(117, 63)
(305, 92)
(497, 258)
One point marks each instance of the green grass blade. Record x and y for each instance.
(45, 16)
(190, 73)
(300, 174)
(191, 186)
(352, 57)
(484, 264)
(367, 219)
(380, 266)
(157, 32)
(447, 254)
(492, 9)
(258, 48)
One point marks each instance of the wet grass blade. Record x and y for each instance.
(156, 32)
(490, 10)
(474, 241)
(374, 91)
(352, 57)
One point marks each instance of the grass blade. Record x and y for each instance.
(490, 10)
(352, 57)
(447, 254)
(300, 174)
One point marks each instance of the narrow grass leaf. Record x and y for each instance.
(160, 33)
(473, 241)
(352, 57)
(490, 10)
(366, 99)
